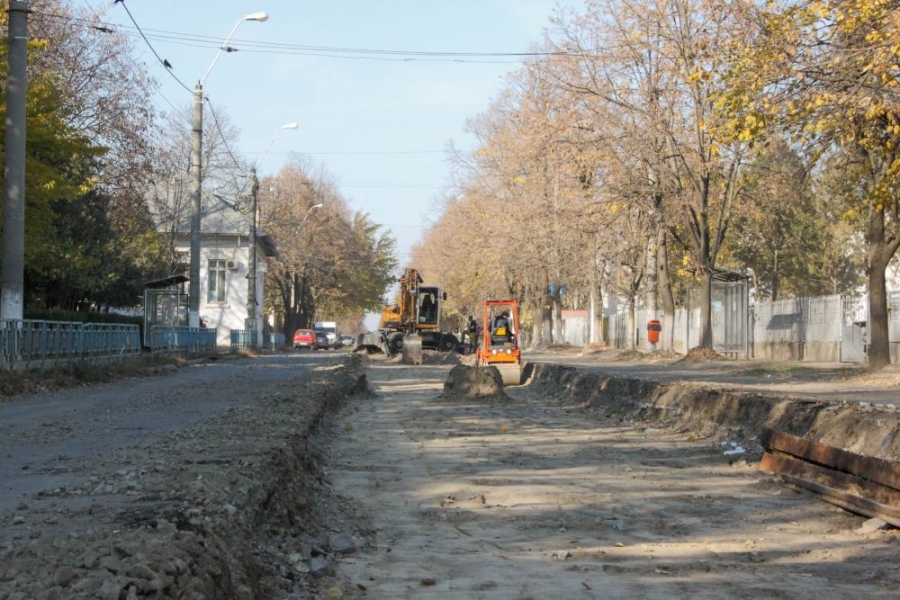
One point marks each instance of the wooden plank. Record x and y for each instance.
(855, 504)
(784, 464)
(879, 470)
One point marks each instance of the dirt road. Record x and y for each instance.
(282, 477)
(535, 497)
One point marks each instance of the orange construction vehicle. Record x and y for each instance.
(412, 323)
(499, 342)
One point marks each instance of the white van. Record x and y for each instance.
(331, 331)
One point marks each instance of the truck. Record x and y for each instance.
(330, 329)
(413, 322)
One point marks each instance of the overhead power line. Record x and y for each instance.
(341, 52)
(162, 61)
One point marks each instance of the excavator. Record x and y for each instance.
(499, 341)
(412, 323)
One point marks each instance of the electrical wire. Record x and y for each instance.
(359, 153)
(224, 140)
(323, 51)
(165, 64)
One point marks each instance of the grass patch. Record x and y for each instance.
(16, 383)
(795, 370)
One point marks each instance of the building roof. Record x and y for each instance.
(724, 275)
(220, 218)
(170, 281)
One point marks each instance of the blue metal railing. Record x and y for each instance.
(242, 339)
(39, 344)
(182, 339)
(276, 341)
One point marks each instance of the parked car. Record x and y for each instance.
(304, 338)
(348, 340)
(322, 341)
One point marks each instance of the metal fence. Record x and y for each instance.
(798, 329)
(31, 344)
(244, 339)
(182, 339)
(276, 341)
(823, 328)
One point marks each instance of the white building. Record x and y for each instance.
(225, 259)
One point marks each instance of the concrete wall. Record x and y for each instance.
(807, 351)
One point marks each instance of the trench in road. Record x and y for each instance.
(531, 498)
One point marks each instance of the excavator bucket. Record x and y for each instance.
(511, 373)
(370, 342)
(412, 349)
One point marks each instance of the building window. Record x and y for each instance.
(216, 291)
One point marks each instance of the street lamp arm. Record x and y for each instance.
(309, 212)
(261, 17)
(272, 141)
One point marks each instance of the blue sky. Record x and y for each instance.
(380, 127)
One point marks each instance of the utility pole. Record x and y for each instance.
(196, 204)
(197, 175)
(252, 324)
(12, 280)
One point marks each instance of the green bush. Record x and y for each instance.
(74, 316)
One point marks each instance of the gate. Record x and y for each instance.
(853, 343)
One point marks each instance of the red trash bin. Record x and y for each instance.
(653, 329)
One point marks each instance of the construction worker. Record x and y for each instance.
(472, 332)
(501, 329)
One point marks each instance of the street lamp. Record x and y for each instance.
(311, 208)
(294, 282)
(197, 176)
(252, 322)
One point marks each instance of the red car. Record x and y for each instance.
(304, 338)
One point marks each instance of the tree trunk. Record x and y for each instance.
(775, 281)
(596, 315)
(882, 242)
(557, 316)
(706, 337)
(879, 344)
(652, 278)
(537, 323)
(665, 289)
(631, 331)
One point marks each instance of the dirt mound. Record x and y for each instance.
(722, 414)
(699, 354)
(557, 347)
(629, 355)
(888, 377)
(431, 357)
(471, 383)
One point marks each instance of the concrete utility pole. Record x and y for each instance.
(251, 270)
(196, 204)
(197, 175)
(12, 284)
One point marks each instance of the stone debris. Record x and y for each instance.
(873, 525)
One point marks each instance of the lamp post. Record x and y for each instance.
(197, 176)
(294, 283)
(252, 322)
